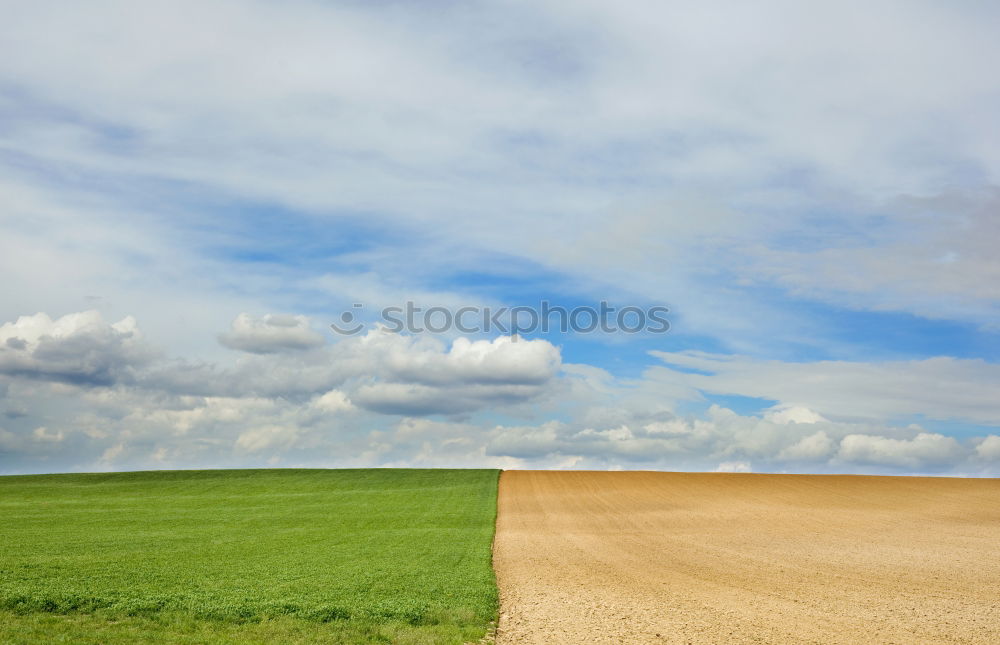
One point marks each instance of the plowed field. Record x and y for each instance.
(642, 557)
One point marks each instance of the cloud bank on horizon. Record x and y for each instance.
(192, 192)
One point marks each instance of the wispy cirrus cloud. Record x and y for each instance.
(270, 334)
(936, 388)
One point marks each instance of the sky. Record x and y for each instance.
(192, 192)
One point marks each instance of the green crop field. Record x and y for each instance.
(291, 556)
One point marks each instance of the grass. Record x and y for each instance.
(339, 556)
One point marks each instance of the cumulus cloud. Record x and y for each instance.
(504, 360)
(382, 371)
(330, 402)
(266, 438)
(38, 443)
(989, 449)
(298, 375)
(270, 334)
(180, 416)
(525, 442)
(639, 440)
(722, 436)
(420, 376)
(78, 348)
(816, 447)
(45, 435)
(792, 414)
(734, 467)
(379, 372)
(926, 449)
(417, 399)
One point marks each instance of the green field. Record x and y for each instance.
(349, 556)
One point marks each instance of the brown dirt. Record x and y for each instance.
(641, 557)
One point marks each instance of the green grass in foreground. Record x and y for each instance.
(340, 556)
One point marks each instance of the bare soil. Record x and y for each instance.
(644, 557)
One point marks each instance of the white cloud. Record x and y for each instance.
(414, 375)
(270, 334)
(923, 450)
(815, 447)
(504, 360)
(932, 257)
(528, 442)
(44, 434)
(660, 152)
(333, 401)
(76, 348)
(418, 399)
(937, 388)
(290, 406)
(734, 467)
(792, 414)
(989, 449)
(723, 436)
(380, 371)
(40, 442)
(671, 428)
(132, 427)
(526, 112)
(111, 454)
(194, 413)
(271, 438)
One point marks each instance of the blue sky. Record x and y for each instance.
(192, 192)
